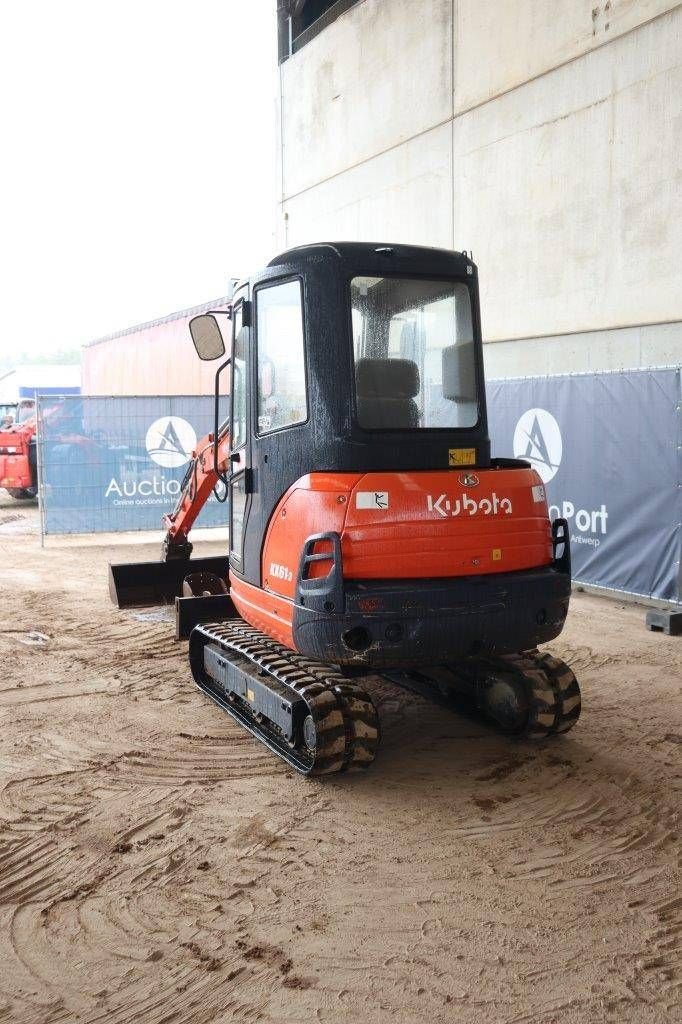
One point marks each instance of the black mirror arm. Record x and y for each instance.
(216, 422)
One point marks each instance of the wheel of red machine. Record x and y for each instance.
(504, 698)
(309, 734)
(21, 492)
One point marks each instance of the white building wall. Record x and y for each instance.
(544, 136)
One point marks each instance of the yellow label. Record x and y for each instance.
(497, 554)
(462, 456)
(250, 695)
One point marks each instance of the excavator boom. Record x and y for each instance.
(209, 463)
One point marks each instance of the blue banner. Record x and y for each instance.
(110, 464)
(607, 446)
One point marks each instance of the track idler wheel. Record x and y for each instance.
(505, 699)
(532, 695)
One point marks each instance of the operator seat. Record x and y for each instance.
(385, 390)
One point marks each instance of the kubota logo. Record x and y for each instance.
(465, 505)
(537, 438)
(170, 441)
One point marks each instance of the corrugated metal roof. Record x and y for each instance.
(193, 311)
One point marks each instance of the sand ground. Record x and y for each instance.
(158, 865)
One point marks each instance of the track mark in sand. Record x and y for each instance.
(253, 833)
(201, 760)
(503, 769)
(165, 815)
(120, 958)
(11, 518)
(581, 658)
(125, 630)
(30, 868)
(44, 692)
(661, 967)
(63, 850)
(39, 802)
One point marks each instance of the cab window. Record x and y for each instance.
(282, 396)
(413, 346)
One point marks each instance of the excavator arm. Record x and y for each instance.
(198, 586)
(209, 462)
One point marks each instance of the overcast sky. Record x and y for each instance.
(138, 160)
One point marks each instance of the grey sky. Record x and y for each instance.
(137, 174)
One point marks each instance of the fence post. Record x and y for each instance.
(39, 468)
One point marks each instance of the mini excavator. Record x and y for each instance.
(370, 529)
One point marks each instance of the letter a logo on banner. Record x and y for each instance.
(170, 441)
(537, 438)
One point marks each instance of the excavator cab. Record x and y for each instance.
(370, 529)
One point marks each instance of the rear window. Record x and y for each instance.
(413, 344)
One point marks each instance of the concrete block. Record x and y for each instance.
(669, 622)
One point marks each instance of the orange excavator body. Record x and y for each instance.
(370, 528)
(496, 522)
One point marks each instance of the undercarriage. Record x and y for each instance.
(319, 721)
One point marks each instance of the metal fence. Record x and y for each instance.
(110, 464)
(608, 447)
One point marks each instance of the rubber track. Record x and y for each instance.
(346, 722)
(565, 687)
(552, 690)
(554, 694)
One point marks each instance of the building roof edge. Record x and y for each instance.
(192, 311)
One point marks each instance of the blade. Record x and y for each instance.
(135, 584)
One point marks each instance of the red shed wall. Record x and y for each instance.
(153, 359)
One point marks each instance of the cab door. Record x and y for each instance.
(240, 405)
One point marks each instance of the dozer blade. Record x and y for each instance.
(135, 584)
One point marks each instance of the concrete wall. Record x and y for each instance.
(544, 136)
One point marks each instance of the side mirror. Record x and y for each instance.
(207, 336)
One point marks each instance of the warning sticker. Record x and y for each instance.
(371, 499)
(461, 456)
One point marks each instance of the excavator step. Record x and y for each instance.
(136, 584)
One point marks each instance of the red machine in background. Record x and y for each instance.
(18, 463)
